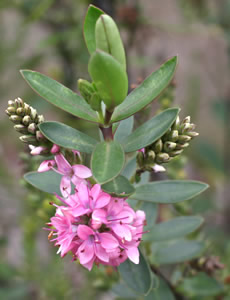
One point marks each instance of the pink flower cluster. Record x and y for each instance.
(97, 228)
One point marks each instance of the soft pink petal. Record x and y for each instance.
(99, 215)
(95, 191)
(122, 231)
(108, 241)
(38, 150)
(63, 165)
(102, 200)
(101, 253)
(80, 211)
(115, 206)
(85, 252)
(65, 186)
(55, 149)
(46, 165)
(82, 171)
(133, 254)
(77, 180)
(89, 265)
(84, 232)
(83, 194)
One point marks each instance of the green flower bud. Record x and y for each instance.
(40, 136)
(95, 102)
(140, 159)
(33, 114)
(19, 102)
(28, 139)
(11, 103)
(176, 124)
(15, 119)
(151, 157)
(169, 146)
(192, 134)
(86, 89)
(175, 153)
(21, 128)
(184, 138)
(162, 158)
(20, 111)
(11, 110)
(7, 112)
(181, 146)
(108, 39)
(40, 119)
(173, 136)
(27, 109)
(187, 120)
(158, 146)
(26, 120)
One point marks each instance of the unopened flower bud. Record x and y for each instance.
(86, 89)
(28, 139)
(151, 157)
(158, 146)
(32, 128)
(140, 159)
(27, 109)
(11, 110)
(26, 120)
(33, 113)
(187, 120)
(184, 127)
(95, 102)
(20, 111)
(192, 134)
(11, 103)
(40, 136)
(7, 112)
(175, 153)
(169, 146)
(181, 146)
(21, 128)
(162, 158)
(173, 136)
(176, 124)
(184, 138)
(19, 102)
(40, 119)
(16, 119)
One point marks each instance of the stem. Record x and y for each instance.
(177, 295)
(107, 133)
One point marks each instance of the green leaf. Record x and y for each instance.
(201, 285)
(119, 186)
(151, 211)
(92, 15)
(162, 292)
(59, 95)
(150, 88)
(138, 277)
(129, 168)
(150, 131)
(67, 137)
(108, 39)
(109, 77)
(48, 182)
(175, 228)
(177, 251)
(122, 290)
(107, 161)
(169, 191)
(124, 129)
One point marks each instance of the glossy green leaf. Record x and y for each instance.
(109, 77)
(119, 186)
(150, 131)
(124, 129)
(59, 95)
(123, 291)
(150, 88)
(175, 228)
(169, 191)
(48, 182)
(92, 15)
(201, 285)
(162, 292)
(129, 168)
(138, 277)
(178, 251)
(108, 39)
(151, 212)
(67, 137)
(107, 161)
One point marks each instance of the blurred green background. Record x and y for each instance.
(46, 36)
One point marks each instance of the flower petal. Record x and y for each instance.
(84, 232)
(46, 165)
(133, 254)
(108, 241)
(83, 194)
(63, 165)
(101, 253)
(85, 252)
(82, 171)
(122, 231)
(65, 186)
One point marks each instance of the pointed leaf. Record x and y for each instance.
(169, 191)
(59, 95)
(67, 137)
(178, 251)
(150, 88)
(175, 228)
(123, 291)
(109, 77)
(124, 129)
(107, 161)
(150, 131)
(48, 182)
(151, 212)
(138, 277)
(92, 15)
(119, 187)
(201, 285)
(129, 168)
